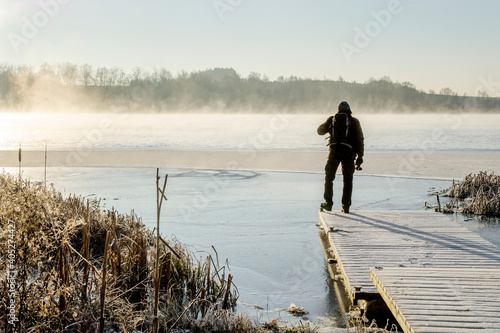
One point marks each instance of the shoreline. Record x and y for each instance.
(416, 164)
(204, 211)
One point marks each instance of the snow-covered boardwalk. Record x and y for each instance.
(422, 264)
(441, 299)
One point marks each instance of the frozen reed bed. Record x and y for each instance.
(79, 268)
(476, 194)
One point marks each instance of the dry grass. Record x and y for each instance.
(64, 283)
(358, 323)
(476, 194)
(84, 269)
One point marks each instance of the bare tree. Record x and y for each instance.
(102, 76)
(114, 74)
(68, 73)
(7, 70)
(123, 78)
(85, 75)
(254, 76)
(27, 72)
(183, 75)
(165, 75)
(137, 74)
(408, 84)
(448, 91)
(47, 71)
(482, 93)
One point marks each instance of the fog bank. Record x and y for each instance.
(68, 87)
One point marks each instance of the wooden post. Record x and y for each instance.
(45, 173)
(439, 203)
(20, 153)
(86, 255)
(103, 283)
(159, 201)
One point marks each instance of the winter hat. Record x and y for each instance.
(344, 106)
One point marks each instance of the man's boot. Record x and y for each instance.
(326, 206)
(345, 209)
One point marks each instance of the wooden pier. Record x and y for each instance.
(441, 299)
(412, 259)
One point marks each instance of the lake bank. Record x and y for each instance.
(421, 164)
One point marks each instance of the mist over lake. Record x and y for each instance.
(244, 132)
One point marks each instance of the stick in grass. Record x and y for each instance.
(103, 284)
(159, 201)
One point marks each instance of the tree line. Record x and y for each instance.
(67, 86)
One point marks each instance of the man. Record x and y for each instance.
(346, 142)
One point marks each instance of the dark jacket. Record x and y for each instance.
(355, 135)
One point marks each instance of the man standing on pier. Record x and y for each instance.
(346, 145)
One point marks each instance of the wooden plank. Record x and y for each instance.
(449, 330)
(450, 273)
(365, 239)
(451, 303)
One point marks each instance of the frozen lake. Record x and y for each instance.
(264, 223)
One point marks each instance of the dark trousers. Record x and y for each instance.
(334, 159)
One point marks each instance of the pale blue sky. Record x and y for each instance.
(431, 43)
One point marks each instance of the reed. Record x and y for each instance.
(476, 194)
(84, 269)
(157, 278)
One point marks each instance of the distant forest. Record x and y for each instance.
(68, 87)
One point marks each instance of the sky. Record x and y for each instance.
(430, 43)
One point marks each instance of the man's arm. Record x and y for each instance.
(325, 127)
(359, 144)
(360, 140)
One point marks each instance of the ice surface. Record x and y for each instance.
(264, 223)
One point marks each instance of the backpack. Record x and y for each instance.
(341, 124)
